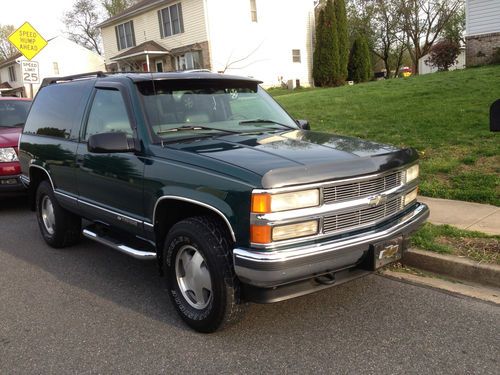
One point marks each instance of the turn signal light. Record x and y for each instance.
(261, 203)
(260, 234)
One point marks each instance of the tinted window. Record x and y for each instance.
(108, 114)
(13, 112)
(57, 110)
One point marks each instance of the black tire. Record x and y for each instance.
(208, 237)
(66, 227)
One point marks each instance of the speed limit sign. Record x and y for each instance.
(29, 71)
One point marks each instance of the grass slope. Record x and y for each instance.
(445, 116)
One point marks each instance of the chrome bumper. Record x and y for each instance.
(268, 269)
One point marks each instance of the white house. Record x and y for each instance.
(60, 57)
(270, 40)
(424, 68)
(482, 30)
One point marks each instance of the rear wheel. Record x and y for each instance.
(199, 273)
(59, 227)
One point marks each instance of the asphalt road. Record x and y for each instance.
(88, 309)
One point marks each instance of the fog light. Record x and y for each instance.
(411, 196)
(285, 232)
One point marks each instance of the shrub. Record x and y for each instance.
(444, 54)
(359, 60)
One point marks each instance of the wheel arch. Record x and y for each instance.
(171, 209)
(37, 174)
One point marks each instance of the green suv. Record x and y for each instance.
(208, 175)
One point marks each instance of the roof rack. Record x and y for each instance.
(51, 80)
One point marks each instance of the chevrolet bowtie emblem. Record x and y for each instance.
(376, 200)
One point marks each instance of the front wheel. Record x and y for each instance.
(199, 273)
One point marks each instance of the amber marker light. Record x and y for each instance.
(260, 234)
(261, 203)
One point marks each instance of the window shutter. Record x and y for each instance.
(117, 38)
(133, 32)
(181, 21)
(160, 22)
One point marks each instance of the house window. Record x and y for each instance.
(125, 37)
(12, 73)
(170, 19)
(190, 60)
(253, 10)
(55, 65)
(296, 56)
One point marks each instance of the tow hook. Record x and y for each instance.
(326, 279)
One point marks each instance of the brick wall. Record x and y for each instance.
(480, 48)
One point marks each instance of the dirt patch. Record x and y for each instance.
(485, 164)
(486, 250)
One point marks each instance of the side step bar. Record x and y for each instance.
(108, 241)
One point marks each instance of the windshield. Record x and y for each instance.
(13, 112)
(182, 108)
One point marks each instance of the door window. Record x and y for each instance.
(108, 114)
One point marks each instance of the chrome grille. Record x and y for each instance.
(361, 189)
(364, 217)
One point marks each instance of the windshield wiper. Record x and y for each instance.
(194, 127)
(264, 121)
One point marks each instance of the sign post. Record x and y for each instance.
(29, 42)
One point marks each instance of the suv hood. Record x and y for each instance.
(9, 137)
(298, 157)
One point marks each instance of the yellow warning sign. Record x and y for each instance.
(27, 40)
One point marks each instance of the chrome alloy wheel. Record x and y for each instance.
(193, 277)
(47, 211)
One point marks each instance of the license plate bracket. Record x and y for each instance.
(388, 251)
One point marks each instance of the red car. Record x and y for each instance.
(13, 114)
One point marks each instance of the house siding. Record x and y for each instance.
(146, 27)
(262, 49)
(482, 31)
(483, 17)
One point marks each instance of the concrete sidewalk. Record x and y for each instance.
(465, 215)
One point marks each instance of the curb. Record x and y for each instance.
(455, 267)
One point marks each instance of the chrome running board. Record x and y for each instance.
(111, 242)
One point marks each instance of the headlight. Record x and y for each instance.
(7, 155)
(265, 203)
(411, 196)
(264, 234)
(412, 173)
(284, 232)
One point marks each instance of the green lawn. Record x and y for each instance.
(445, 116)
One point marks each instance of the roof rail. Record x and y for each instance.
(51, 80)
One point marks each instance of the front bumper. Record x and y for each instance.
(271, 269)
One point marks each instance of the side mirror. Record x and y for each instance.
(110, 142)
(303, 124)
(495, 116)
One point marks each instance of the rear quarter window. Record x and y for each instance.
(58, 109)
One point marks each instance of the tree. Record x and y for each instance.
(326, 61)
(114, 7)
(455, 27)
(81, 24)
(422, 21)
(360, 66)
(444, 54)
(342, 45)
(6, 48)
